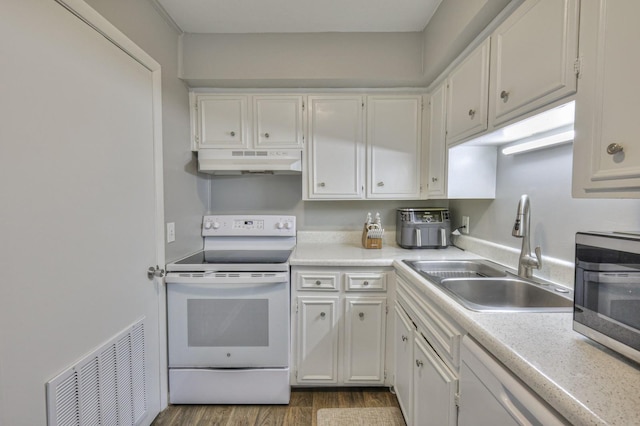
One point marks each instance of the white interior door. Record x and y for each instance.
(79, 217)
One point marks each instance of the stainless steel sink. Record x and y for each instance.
(481, 285)
(437, 270)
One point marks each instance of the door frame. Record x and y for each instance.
(96, 21)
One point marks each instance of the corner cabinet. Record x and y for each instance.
(339, 326)
(533, 58)
(363, 147)
(606, 151)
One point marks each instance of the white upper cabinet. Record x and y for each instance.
(606, 148)
(436, 177)
(467, 95)
(335, 148)
(533, 58)
(221, 121)
(277, 121)
(393, 146)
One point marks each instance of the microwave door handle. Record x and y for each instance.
(418, 237)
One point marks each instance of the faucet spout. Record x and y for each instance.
(526, 261)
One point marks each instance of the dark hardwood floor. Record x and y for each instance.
(301, 410)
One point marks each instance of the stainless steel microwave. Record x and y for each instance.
(607, 290)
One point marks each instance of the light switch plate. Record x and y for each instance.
(171, 232)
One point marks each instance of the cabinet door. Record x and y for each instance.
(277, 121)
(317, 352)
(364, 342)
(403, 368)
(437, 132)
(532, 58)
(335, 147)
(393, 146)
(467, 95)
(222, 121)
(606, 161)
(434, 388)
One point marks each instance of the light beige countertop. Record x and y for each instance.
(584, 381)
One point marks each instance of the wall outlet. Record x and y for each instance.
(171, 232)
(465, 223)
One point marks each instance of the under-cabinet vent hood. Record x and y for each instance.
(235, 162)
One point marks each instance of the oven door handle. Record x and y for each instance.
(227, 279)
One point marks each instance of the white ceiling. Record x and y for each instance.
(295, 16)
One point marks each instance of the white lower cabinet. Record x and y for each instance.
(339, 326)
(403, 360)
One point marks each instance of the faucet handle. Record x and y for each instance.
(538, 257)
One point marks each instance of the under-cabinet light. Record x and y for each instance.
(543, 142)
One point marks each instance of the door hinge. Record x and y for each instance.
(302, 106)
(196, 106)
(362, 104)
(577, 67)
(385, 375)
(297, 305)
(296, 374)
(422, 105)
(456, 399)
(386, 310)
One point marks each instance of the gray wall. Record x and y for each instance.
(302, 60)
(186, 194)
(282, 194)
(555, 216)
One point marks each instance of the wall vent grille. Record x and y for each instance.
(106, 387)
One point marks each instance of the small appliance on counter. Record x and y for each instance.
(423, 227)
(607, 290)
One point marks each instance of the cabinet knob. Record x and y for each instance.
(318, 282)
(380, 183)
(419, 363)
(434, 179)
(266, 135)
(504, 95)
(614, 148)
(322, 184)
(232, 133)
(472, 113)
(404, 338)
(361, 315)
(366, 283)
(322, 315)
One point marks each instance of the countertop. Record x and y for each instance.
(584, 381)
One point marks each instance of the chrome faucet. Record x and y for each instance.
(526, 262)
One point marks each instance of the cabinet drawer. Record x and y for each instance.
(365, 281)
(318, 281)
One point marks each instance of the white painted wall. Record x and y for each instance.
(555, 216)
(186, 193)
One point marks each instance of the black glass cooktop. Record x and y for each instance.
(236, 256)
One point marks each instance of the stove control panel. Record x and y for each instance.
(245, 225)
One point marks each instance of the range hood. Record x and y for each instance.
(245, 161)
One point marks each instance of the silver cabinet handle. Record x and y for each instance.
(322, 184)
(419, 363)
(404, 338)
(504, 95)
(380, 183)
(232, 133)
(361, 314)
(614, 148)
(472, 112)
(266, 135)
(434, 179)
(322, 315)
(366, 283)
(318, 282)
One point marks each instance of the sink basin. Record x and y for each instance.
(480, 285)
(437, 270)
(507, 294)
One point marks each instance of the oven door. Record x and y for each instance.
(228, 320)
